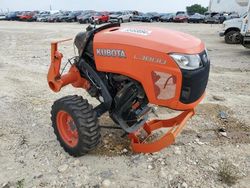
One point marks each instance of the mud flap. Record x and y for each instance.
(175, 124)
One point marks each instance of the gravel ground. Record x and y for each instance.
(201, 157)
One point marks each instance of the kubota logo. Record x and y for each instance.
(111, 53)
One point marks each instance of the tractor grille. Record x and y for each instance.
(194, 82)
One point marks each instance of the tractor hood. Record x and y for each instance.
(156, 39)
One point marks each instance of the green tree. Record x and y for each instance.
(196, 8)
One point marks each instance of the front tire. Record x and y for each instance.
(120, 21)
(75, 125)
(233, 37)
(87, 21)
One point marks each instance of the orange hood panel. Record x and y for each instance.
(157, 39)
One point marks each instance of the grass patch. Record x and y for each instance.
(228, 172)
(20, 183)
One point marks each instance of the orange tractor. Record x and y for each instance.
(126, 69)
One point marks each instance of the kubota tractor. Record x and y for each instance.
(126, 69)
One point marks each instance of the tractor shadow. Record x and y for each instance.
(113, 142)
(208, 125)
(244, 53)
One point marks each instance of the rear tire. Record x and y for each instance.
(84, 125)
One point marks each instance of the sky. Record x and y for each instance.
(100, 5)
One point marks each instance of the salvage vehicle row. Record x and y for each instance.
(91, 16)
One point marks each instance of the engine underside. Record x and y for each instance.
(123, 97)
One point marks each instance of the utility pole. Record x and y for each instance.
(210, 5)
(50, 6)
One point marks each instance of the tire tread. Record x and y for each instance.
(86, 122)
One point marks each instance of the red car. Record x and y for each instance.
(181, 18)
(100, 17)
(27, 16)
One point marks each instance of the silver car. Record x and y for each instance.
(121, 17)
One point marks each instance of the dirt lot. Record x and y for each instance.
(202, 157)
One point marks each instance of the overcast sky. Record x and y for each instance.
(141, 5)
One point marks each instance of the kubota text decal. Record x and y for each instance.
(111, 53)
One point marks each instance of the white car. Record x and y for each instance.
(121, 17)
(2, 17)
(42, 18)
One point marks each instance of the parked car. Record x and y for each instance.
(85, 18)
(167, 17)
(2, 16)
(231, 30)
(150, 17)
(196, 18)
(54, 17)
(12, 16)
(134, 12)
(138, 17)
(221, 17)
(214, 18)
(27, 16)
(72, 17)
(155, 16)
(121, 17)
(63, 16)
(180, 12)
(41, 13)
(181, 18)
(100, 17)
(42, 18)
(19, 14)
(231, 15)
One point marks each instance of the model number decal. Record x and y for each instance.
(150, 59)
(111, 53)
(136, 31)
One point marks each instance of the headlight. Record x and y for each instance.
(188, 62)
